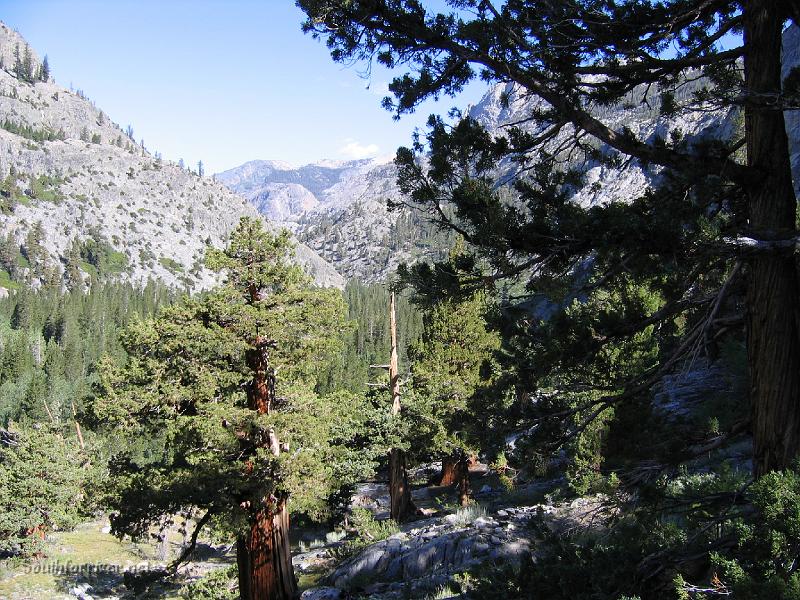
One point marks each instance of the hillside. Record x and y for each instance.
(67, 165)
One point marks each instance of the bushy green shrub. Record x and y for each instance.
(764, 563)
(221, 584)
(368, 530)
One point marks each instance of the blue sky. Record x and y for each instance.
(219, 81)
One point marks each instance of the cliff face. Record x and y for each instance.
(68, 166)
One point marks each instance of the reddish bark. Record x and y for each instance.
(447, 475)
(264, 557)
(261, 392)
(464, 488)
(263, 554)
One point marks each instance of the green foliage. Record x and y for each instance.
(596, 300)
(31, 133)
(51, 343)
(171, 265)
(180, 402)
(46, 188)
(10, 193)
(23, 65)
(367, 343)
(587, 452)
(42, 487)
(764, 562)
(96, 256)
(451, 364)
(367, 530)
(44, 72)
(220, 584)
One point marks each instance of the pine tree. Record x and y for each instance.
(576, 58)
(451, 363)
(44, 73)
(27, 65)
(21, 318)
(34, 250)
(19, 70)
(230, 379)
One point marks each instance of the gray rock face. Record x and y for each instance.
(337, 208)
(102, 184)
(427, 552)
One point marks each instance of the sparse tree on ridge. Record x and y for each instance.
(44, 71)
(19, 71)
(27, 65)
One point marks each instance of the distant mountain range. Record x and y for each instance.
(66, 165)
(340, 210)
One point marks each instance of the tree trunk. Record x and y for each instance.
(264, 558)
(773, 316)
(400, 502)
(401, 505)
(447, 476)
(464, 489)
(263, 554)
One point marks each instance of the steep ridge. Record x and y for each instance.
(67, 166)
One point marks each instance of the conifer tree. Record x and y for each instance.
(217, 404)
(19, 71)
(42, 487)
(450, 364)
(709, 210)
(27, 65)
(44, 73)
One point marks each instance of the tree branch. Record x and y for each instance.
(187, 552)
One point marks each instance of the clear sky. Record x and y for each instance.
(219, 81)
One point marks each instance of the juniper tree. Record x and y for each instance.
(218, 410)
(43, 477)
(714, 202)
